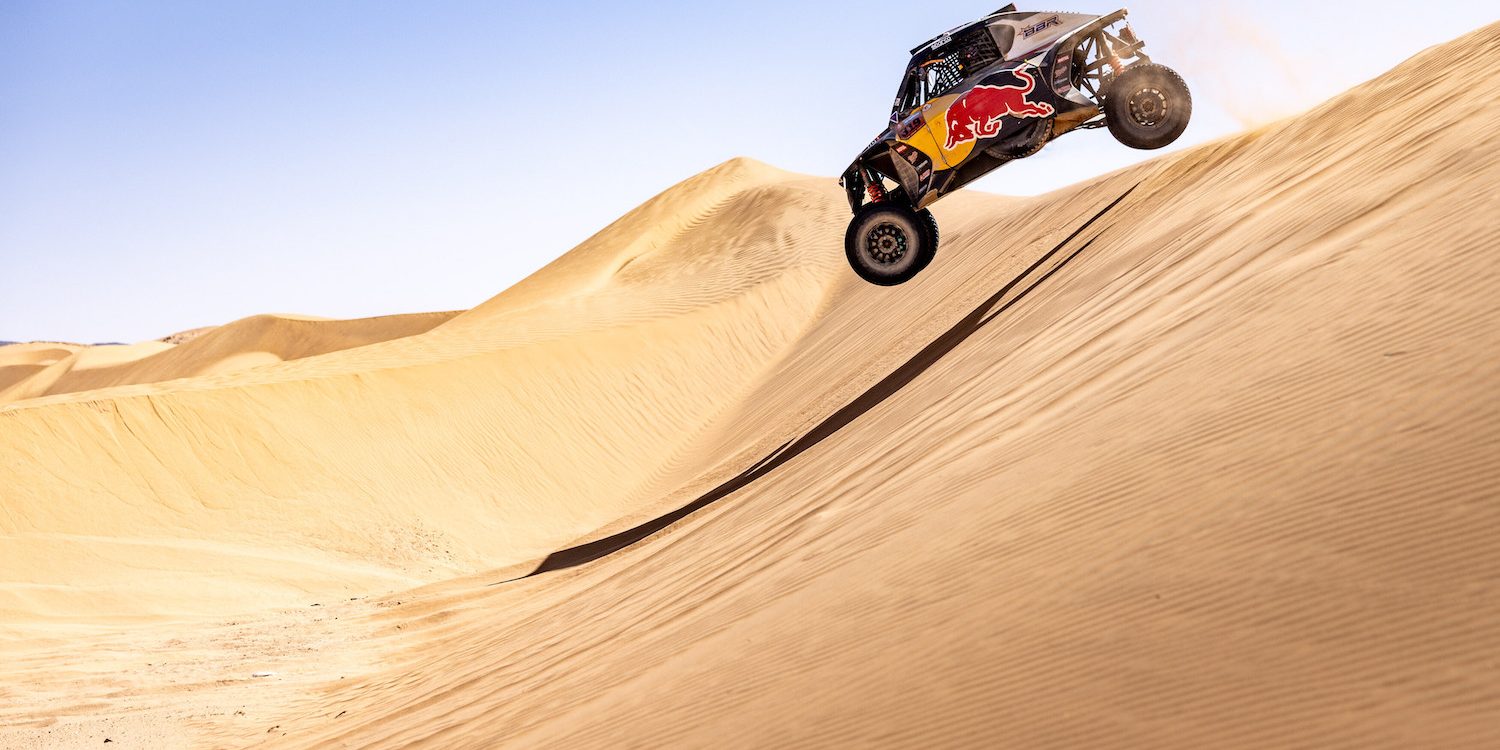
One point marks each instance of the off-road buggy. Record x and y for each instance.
(990, 92)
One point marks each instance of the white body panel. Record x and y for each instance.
(1045, 30)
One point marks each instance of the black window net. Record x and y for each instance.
(947, 67)
(968, 54)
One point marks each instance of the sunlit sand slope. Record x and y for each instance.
(1221, 471)
(1204, 453)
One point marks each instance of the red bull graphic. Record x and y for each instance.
(981, 112)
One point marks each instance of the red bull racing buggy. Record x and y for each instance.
(987, 93)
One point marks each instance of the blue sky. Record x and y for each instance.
(166, 165)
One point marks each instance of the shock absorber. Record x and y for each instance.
(1116, 65)
(874, 187)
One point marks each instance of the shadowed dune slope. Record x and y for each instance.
(1203, 453)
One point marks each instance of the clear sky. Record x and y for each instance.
(167, 165)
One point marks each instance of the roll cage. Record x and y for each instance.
(1081, 65)
(1101, 51)
(1097, 52)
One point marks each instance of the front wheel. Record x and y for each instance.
(888, 244)
(1148, 106)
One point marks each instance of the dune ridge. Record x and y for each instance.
(1198, 453)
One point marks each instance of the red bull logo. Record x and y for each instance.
(981, 112)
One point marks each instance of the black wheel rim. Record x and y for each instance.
(886, 244)
(1148, 107)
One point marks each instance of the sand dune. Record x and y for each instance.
(253, 342)
(82, 365)
(21, 361)
(1201, 453)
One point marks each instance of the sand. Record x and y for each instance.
(30, 371)
(1202, 453)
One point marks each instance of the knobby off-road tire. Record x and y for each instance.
(888, 243)
(1148, 106)
(930, 222)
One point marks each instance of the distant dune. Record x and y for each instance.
(252, 342)
(1201, 453)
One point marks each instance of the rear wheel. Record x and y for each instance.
(888, 244)
(1025, 143)
(1148, 106)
